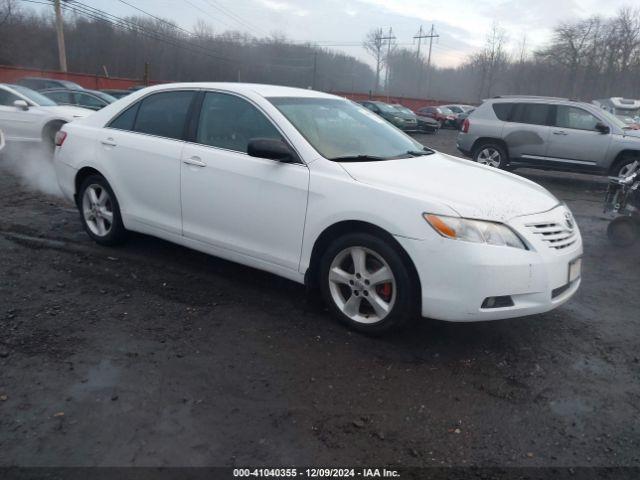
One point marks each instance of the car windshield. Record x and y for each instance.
(339, 129)
(386, 107)
(445, 111)
(105, 96)
(34, 96)
(402, 109)
(455, 109)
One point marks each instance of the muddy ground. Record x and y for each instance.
(151, 354)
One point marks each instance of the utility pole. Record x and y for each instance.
(62, 52)
(390, 37)
(431, 36)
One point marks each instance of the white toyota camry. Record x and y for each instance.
(319, 190)
(28, 116)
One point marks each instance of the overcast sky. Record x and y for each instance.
(461, 24)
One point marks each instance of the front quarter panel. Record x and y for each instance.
(334, 196)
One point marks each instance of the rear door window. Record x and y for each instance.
(503, 111)
(531, 113)
(164, 114)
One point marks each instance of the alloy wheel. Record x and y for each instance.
(625, 170)
(362, 285)
(489, 156)
(97, 210)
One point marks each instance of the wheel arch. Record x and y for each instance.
(621, 156)
(81, 175)
(345, 227)
(484, 140)
(52, 122)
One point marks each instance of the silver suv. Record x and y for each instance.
(548, 133)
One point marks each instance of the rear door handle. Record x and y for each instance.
(108, 142)
(194, 161)
(560, 132)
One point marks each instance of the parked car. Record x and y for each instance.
(423, 124)
(549, 133)
(28, 116)
(311, 187)
(403, 121)
(442, 115)
(41, 83)
(116, 93)
(459, 108)
(460, 118)
(91, 99)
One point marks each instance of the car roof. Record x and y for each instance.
(536, 99)
(246, 88)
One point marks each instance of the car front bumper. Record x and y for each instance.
(456, 277)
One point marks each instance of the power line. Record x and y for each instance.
(157, 18)
(234, 16)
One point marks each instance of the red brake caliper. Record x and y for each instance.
(384, 290)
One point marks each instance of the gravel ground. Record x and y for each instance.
(151, 354)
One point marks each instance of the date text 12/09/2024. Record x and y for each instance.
(316, 472)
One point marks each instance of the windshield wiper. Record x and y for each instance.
(420, 153)
(358, 158)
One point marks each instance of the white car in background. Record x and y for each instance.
(28, 116)
(317, 189)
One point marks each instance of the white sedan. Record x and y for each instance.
(28, 116)
(319, 190)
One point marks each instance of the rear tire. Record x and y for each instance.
(367, 285)
(491, 154)
(100, 211)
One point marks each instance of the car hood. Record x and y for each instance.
(68, 111)
(470, 189)
(422, 118)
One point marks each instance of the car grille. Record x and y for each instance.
(555, 235)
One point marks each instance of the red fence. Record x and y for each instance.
(11, 74)
(97, 82)
(411, 103)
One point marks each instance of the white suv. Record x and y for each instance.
(322, 191)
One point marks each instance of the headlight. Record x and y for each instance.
(476, 231)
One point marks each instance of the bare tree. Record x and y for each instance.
(373, 44)
(5, 10)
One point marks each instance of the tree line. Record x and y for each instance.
(585, 59)
(96, 43)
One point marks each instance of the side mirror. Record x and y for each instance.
(21, 104)
(271, 149)
(602, 128)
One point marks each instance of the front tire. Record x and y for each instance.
(492, 155)
(100, 211)
(367, 285)
(623, 167)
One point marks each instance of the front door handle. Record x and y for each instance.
(560, 132)
(109, 142)
(194, 162)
